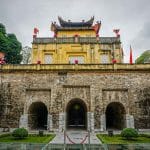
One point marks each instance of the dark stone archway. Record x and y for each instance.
(76, 114)
(37, 116)
(115, 116)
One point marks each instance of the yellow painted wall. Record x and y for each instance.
(81, 33)
(60, 53)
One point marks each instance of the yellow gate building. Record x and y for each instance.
(76, 42)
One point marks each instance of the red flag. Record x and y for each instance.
(36, 30)
(131, 59)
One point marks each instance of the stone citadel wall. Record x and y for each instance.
(56, 85)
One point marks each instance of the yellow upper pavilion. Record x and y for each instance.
(76, 42)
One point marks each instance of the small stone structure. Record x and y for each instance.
(122, 87)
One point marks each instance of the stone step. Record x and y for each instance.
(76, 137)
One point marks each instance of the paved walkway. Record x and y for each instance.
(75, 137)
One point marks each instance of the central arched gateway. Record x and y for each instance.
(37, 116)
(76, 114)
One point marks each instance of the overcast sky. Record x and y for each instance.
(132, 17)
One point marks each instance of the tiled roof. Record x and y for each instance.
(64, 23)
(67, 40)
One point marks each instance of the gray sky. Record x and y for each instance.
(132, 17)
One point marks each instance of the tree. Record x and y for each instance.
(144, 58)
(2, 29)
(10, 46)
(26, 54)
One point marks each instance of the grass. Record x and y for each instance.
(117, 139)
(29, 139)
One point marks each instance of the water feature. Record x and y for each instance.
(32, 146)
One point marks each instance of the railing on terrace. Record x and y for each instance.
(75, 67)
(87, 40)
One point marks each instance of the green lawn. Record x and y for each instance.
(117, 139)
(29, 139)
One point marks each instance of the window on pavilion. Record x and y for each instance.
(48, 59)
(104, 59)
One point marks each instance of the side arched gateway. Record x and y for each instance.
(76, 114)
(37, 116)
(115, 116)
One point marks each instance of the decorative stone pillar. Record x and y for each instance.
(129, 121)
(103, 122)
(62, 119)
(49, 122)
(23, 122)
(90, 121)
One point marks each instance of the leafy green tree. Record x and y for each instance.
(3, 43)
(10, 46)
(144, 58)
(2, 29)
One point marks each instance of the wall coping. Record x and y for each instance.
(75, 67)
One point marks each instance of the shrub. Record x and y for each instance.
(5, 135)
(20, 133)
(129, 133)
(145, 135)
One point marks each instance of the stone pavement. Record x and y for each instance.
(75, 137)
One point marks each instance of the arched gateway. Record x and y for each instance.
(76, 114)
(115, 116)
(37, 116)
